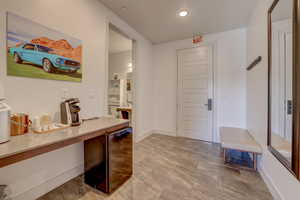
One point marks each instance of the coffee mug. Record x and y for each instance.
(19, 124)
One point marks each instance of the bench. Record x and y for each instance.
(240, 140)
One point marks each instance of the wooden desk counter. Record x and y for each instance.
(29, 145)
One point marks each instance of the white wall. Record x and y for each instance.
(230, 80)
(118, 63)
(86, 20)
(280, 181)
(1, 90)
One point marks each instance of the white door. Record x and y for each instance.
(288, 85)
(195, 93)
(282, 79)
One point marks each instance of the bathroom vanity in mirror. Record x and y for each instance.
(284, 83)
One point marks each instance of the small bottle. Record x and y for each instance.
(36, 124)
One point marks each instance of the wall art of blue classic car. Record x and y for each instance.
(43, 56)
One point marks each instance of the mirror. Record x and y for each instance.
(281, 137)
(282, 78)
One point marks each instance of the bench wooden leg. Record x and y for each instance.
(255, 161)
(225, 155)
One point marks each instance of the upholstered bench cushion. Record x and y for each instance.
(238, 139)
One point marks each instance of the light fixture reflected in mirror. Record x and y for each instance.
(129, 67)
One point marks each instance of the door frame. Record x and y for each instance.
(134, 73)
(213, 46)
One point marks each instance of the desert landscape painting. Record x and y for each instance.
(35, 51)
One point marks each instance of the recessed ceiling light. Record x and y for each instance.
(183, 13)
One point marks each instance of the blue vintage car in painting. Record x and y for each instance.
(43, 56)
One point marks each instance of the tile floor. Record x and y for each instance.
(169, 168)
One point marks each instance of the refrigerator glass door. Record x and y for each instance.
(120, 158)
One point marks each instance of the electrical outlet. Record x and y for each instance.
(92, 94)
(65, 94)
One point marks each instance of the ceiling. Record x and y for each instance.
(118, 43)
(158, 21)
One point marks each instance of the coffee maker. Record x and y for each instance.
(69, 110)
(4, 122)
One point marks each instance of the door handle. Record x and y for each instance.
(209, 104)
(289, 107)
(123, 133)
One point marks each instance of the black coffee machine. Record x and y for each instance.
(69, 110)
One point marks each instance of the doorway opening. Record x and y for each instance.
(120, 78)
(195, 93)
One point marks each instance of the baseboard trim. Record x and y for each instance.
(50, 184)
(272, 188)
(144, 136)
(169, 133)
